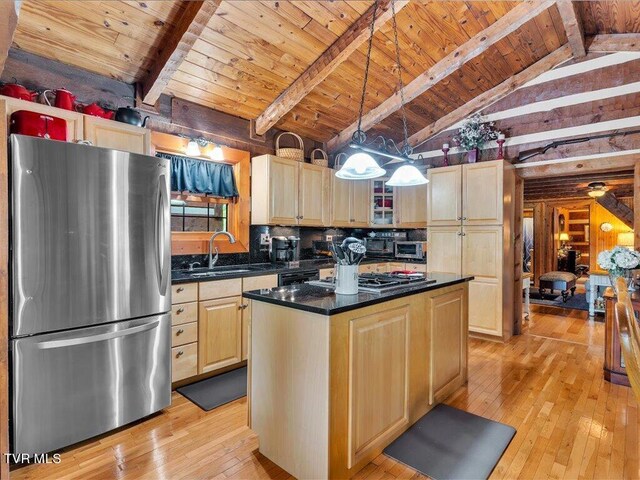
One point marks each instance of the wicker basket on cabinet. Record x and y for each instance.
(296, 154)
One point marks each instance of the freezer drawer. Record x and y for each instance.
(73, 385)
(90, 235)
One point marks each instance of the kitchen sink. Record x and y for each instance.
(217, 273)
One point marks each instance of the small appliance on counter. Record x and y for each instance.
(411, 250)
(285, 250)
(382, 244)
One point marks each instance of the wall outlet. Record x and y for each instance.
(265, 239)
(329, 238)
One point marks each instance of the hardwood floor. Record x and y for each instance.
(547, 383)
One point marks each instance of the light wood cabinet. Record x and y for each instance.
(286, 192)
(350, 203)
(416, 267)
(183, 334)
(378, 373)
(411, 206)
(313, 195)
(448, 352)
(482, 193)
(445, 249)
(184, 361)
(118, 136)
(219, 333)
(444, 196)
(184, 292)
(252, 283)
(327, 273)
(184, 331)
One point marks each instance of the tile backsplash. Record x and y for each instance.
(260, 254)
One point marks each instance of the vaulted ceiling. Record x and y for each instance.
(240, 56)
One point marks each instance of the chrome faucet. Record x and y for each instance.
(212, 259)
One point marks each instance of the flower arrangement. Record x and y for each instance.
(619, 262)
(474, 133)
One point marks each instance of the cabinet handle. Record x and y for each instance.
(459, 234)
(180, 331)
(179, 311)
(243, 306)
(180, 289)
(464, 218)
(179, 354)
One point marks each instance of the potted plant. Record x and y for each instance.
(619, 262)
(473, 134)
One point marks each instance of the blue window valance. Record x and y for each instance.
(200, 176)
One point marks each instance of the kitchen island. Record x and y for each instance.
(334, 378)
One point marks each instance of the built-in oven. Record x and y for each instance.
(411, 250)
(298, 276)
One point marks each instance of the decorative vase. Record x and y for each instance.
(626, 275)
(472, 155)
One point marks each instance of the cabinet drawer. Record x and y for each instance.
(327, 272)
(416, 267)
(258, 283)
(368, 268)
(220, 289)
(184, 313)
(183, 334)
(393, 266)
(185, 292)
(184, 361)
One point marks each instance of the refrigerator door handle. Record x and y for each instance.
(161, 207)
(97, 338)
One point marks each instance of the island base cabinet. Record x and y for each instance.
(334, 391)
(219, 333)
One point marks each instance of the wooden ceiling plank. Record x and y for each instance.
(617, 42)
(493, 95)
(478, 44)
(9, 12)
(191, 24)
(553, 168)
(319, 70)
(573, 26)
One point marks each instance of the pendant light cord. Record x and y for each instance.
(366, 72)
(406, 147)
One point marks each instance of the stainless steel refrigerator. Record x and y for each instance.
(91, 293)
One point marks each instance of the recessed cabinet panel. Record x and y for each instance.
(483, 193)
(485, 306)
(283, 191)
(445, 249)
(313, 191)
(444, 200)
(379, 365)
(482, 251)
(411, 206)
(219, 333)
(117, 135)
(341, 196)
(360, 202)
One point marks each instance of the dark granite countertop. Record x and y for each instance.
(258, 269)
(324, 301)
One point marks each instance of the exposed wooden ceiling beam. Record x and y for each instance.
(338, 52)
(493, 95)
(621, 211)
(616, 42)
(573, 27)
(9, 12)
(469, 50)
(174, 49)
(558, 167)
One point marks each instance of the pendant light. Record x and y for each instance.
(216, 154)
(596, 189)
(193, 149)
(407, 176)
(360, 165)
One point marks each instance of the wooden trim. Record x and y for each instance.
(191, 24)
(9, 12)
(636, 204)
(606, 162)
(183, 243)
(493, 95)
(615, 42)
(469, 50)
(326, 63)
(572, 26)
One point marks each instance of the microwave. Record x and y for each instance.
(411, 250)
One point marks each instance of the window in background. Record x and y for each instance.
(199, 216)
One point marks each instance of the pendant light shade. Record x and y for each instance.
(193, 150)
(217, 154)
(406, 176)
(360, 166)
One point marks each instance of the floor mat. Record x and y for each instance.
(215, 391)
(448, 443)
(577, 302)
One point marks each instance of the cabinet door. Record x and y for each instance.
(445, 249)
(283, 191)
(448, 356)
(482, 189)
(444, 196)
(378, 380)
(314, 202)
(360, 203)
(116, 135)
(219, 333)
(75, 126)
(341, 191)
(411, 205)
(482, 258)
(252, 283)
